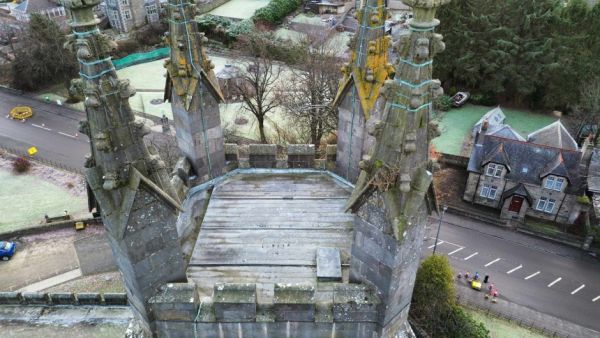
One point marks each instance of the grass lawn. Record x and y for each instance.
(239, 9)
(25, 199)
(500, 328)
(456, 125)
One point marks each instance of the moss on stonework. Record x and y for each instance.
(378, 164)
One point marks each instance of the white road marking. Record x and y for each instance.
(595, 299)
(42, 127)
(532, 275)
(438, 243)
(449, 243)
(577, 290)
(515, 269)
(492, 262)
(467, 258)
(68, 135)
(455, 251)
(555, 281)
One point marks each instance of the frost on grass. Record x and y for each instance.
(26, 198)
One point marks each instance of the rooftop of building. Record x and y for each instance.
(266, 226)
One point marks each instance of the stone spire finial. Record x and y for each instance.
(368, 67)
(194, 92)
(389, 196)
(138, 203)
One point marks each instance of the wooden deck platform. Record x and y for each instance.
(266, 229)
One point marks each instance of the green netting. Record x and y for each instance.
(137, 58)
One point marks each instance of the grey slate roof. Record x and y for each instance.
(504, 130)
(553, 135)
(556, 167)
(528, 161)
(497, 155)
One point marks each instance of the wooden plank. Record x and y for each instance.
(275, 246)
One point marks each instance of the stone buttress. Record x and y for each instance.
(194, 93)
(128, 179)
(389, 197)
(357, 99)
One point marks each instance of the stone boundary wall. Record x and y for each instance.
(456, 160)
(266, 156)
(63, 298)
(37, 228)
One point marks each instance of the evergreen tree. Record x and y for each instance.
(42, 60)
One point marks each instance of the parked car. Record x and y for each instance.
(7, 250)
(460, 98)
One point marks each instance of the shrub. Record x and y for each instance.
(21, 165)
(484, 99)
(442, 103)
(434, 302)
(276, 10)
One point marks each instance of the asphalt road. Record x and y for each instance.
(52, 130)
(564, 287)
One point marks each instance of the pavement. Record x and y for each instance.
(52, 281)
(52, 130)
(550, 279)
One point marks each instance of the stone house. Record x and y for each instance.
(52, 9)
(540, 176)
(125, 15)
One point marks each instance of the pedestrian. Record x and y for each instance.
(485, 279)
(476, 277)
(467, 275)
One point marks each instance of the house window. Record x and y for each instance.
(494, 170)
(488, 191)
(127, 14)
(124, 2)
(546, 205)
(151, 9)
(554, 183)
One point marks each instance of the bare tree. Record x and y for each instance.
(308, 94)
(256, 88)
(166, 145)
(585, 116)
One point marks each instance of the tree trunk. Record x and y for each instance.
(261, 130)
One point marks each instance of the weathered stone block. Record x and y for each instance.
(63, 298)
(301, 155)
(231, 152)
(234, 302)
(89, 298)
(115, 299)
(10, 298)
(36, 298)
(354, 303)
(262, 155)
(175, 301)
(294, 302)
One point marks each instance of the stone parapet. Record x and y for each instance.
(262, 155)
(175, 302)
(235, 302)
(354, 303)
(268, 156)
(301, 156)
(62, 298)
(294, 303)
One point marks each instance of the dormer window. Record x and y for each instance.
(494, 170)
(554, 183)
